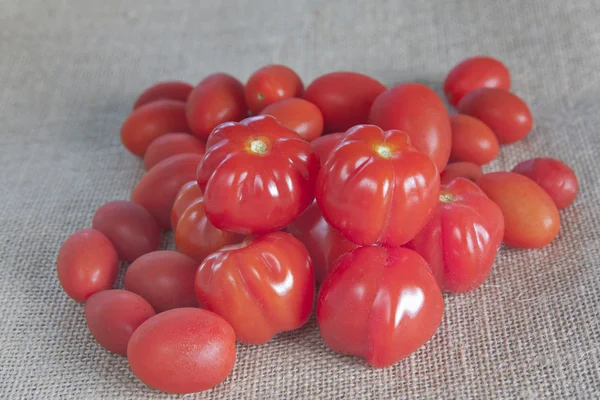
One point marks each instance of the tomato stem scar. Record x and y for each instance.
(446, 197)
(258, 146)
(383, 150)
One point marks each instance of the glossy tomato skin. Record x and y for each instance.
(531, 219)
(216, 99)
(172, 144)
(182, 351)
(462, 169)
(299, 115)
(472, 140)
(323, 145)
(461, 240)
(257, 176)
(168, 90)
(474, 73)
(271, 84)
(344, 98)
(113, 315)
(507, 115)
(554, 176)
(87, 263)
(188, 194)
(261, 287)
(150, 121)
(380, 304)
(376, 188)
(417, 110)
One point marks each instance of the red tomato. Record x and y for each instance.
(555, 177)
(472, 140)
(380, 304)
(169, 90)
(157, 190)
(505, 113)
(531, 218)
(323, 145)
(113, 315)
(150, 121)
(164, 278)
(87, 263)
(461, 169)
(181, 351)
(271, 84)
(261, 287)
(299, 115)
(188, 194)
(418, 111)
(218, 98)
(474, 73)
(376, 188)
(172, 144)
(344, 98)
(461, 240)
(257, 176)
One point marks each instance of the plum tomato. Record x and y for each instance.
(188, 194)
(113, 315)
(323, 145)
(461, 240)
(472, 140)
(218, 98)
(461, 169)
(168, 90)
(270, 84)
(257, 176)
(531, 219)
(506, 114)
(380, 304)
(182, 351)
(417, 110)
(172, 144)
(474, 73)
(87, 263)
(344, 98)
(262, 286)
(164, 278)
(150, 121)
(554, 176)
(376, 188)
(299, 115)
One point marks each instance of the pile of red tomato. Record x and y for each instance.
(343, 186)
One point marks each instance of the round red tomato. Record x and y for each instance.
(472, 140)
(270, 84)
(257, 176)
(418, 111)
(461, 169)
(261, 287)
(188, 194)
(344, 98)
(172, 144)
(461, 240)
(376, 188)
(169, 90)
(299, 115)
(325, 144)
(380, 304)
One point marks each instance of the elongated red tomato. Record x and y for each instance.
(472, 140)
(261, 287)
(376, 188)
(270, 84)
(188, 194)
(417, 110)
(299, 115)
(380, 304)
(172, 144)
(168, 90)
(325, 144)
(462, 169)
(257, 176)
(181, 351)
(461, 240)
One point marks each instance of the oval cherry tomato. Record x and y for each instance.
(474, 73)
(113, 315)
(150, 121)
(164, 278)
(271, 84)
(172, 144)
(257, 176)
(261, 287)
(554, 176)
(531, 219)
(87, 263)
(188, 194)
(418, 111)
(181, 351)
(506, 114)
(461, 240)
(169, 90)
(463, 169)
(299, 115)
(472, 140)
(218, 98)
(157, 190)
(380, 304)
(376, 188)
(344, 98)
(323, 145)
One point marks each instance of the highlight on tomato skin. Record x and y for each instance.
(188, 194)
(472, 140)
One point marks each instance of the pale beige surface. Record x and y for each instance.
(69, 72)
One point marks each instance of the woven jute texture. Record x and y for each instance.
(69, 72)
